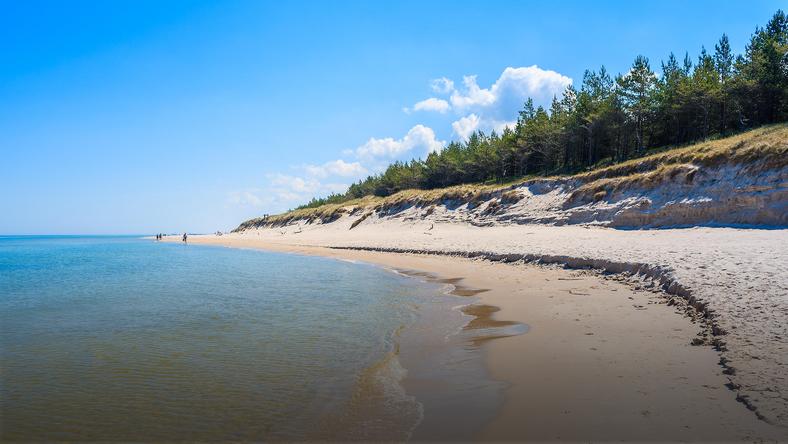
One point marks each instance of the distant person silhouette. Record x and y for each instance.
(184, 237)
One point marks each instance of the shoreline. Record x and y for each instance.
(560, 374)
(452, 326)
(737, 277)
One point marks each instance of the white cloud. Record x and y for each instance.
(301, 185)
(466, 126)
(281, 193)
(293, 183)
(432, 104)
(286, 191)
(473, 95)
(503, 98)
(336, 168)
(514, 86)
(419, 137)
(442, 85)
(244, 198)
(493, 108)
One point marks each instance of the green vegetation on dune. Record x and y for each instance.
(764, 148)
(607, 130)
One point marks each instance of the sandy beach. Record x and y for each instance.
(602, 359)
(342, 221)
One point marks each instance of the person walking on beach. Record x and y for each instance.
(184, 237)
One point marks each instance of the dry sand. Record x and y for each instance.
(602, 360)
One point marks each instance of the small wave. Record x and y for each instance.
(379, 408)
(351, 261)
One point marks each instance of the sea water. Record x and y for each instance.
(124, 338)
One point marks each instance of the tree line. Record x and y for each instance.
(613, 118)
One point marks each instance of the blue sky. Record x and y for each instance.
(148, 116)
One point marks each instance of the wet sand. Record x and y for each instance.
(599, 360)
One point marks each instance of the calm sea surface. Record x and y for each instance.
(128, 339)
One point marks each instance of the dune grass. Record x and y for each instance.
(765, 148)
(768, 145)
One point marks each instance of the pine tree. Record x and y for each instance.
(636, 89)
(667, 115)
(764, 79)
(704, 92)
(723, 61)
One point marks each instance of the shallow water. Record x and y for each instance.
(124, 338)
